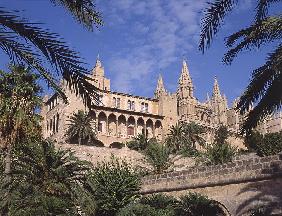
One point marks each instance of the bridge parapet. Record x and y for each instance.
(254, 169)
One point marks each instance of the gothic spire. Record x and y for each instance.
(216, 91)
(185, 87)
(98, 70)
(160, 87)
(185, 75)
(98, 61)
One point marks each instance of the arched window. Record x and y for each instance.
(132, 105)
(114, 102)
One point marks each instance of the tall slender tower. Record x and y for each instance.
(219, 105)
(98, 74)
(160, 90)
(186, 100)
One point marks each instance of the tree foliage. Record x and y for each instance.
(264, 90)
(184, 137)
(269, 144)
(45, 181)
(158, 156)
(114, 185)
(220, 151)
(30, 44)
(139, 143)
(19, 98)
(80, 129)
(195, 204)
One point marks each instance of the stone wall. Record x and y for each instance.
(239, 185)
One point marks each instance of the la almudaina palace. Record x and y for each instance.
(120, 116)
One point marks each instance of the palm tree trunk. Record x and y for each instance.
(79, 141)
(8, 162)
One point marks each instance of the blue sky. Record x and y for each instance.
(141, 39)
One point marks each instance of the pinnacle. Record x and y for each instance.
(216, 91)
(185, 75)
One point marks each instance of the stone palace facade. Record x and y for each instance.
(120, 116)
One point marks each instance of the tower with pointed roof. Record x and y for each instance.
(160, 89)
(98, 74)
(219, 105)
(186, 100)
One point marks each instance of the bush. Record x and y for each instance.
(155, 205)
(115, 184)
(157, 156)
(138, 209)
(270, 144)
(138, 143)
(195, 204)
(184, 137)
(159, 201)
(220, 151)
(218, 154)
(45, 181)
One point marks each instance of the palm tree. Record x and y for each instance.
(265, 87)
(46, 181)
(194, 133)
(28, 43)
(80, 128)
(19, 98)
(175, 137)
(185, 136)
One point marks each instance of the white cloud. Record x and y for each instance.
(159, 32)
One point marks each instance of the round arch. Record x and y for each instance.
(149, 128)
(112, 127)
(131, 126)
(158, 129)
(121, 126)
(140, 126)
(102, 123)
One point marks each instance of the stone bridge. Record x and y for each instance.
(240, 185)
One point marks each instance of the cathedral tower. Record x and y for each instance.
(219, 105)
(160, 90)
(186, 100)
(98, 74)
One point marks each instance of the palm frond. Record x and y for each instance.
(19, 53)
(212, 20)
(264, 88)
(46, 46)
(262, 9)
(84, 11)
(265, 31)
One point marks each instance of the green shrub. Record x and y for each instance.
(159, 201)
(45, 181)
(157, 155)
(194, 204)
(138, 209)
(189, 152)
(184, 137)
(270, 144)
(218, 154)
(220, 151)
(138, 143)
(115, 184)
